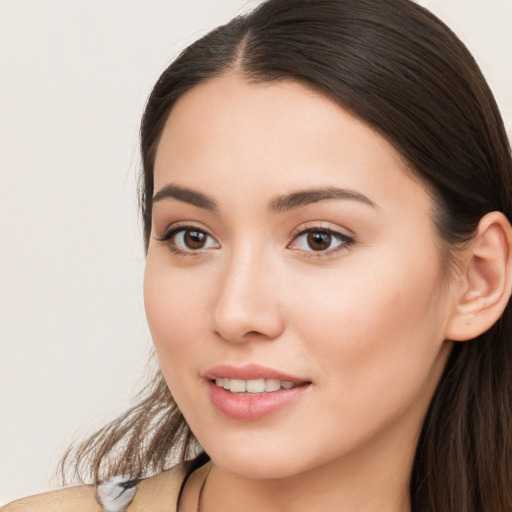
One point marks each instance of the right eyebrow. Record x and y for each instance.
(185, 195)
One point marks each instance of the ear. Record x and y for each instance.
(484, 285)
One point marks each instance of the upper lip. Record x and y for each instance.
(249, 372)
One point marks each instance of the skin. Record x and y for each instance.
(364, 322)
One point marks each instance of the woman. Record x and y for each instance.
(326, 195)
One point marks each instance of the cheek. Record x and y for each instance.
(175, 312)
(376, 344)
(377, 326)
(174, 315)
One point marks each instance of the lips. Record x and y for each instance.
(251, 392)
(250, 372)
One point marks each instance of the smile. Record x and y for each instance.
(253, 386)
(252, 392)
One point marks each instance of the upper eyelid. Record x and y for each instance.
(336, 234)
(178, 226)
(298, 231)
(321, 226)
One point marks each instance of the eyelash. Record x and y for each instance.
(173, 231)
(344, 240)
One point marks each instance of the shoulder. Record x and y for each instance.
(155, 493)
(160, 492)
(78, 499)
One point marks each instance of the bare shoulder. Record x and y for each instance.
(78, 499)
(159, 492)
(156, 493)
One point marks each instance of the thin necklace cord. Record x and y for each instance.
(200, 495)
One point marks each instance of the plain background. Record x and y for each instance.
(74, 77)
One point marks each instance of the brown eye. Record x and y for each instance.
(183, 240)
(194, 239)
(319, 240)
(322, 241)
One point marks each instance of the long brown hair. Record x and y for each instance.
(397, 67)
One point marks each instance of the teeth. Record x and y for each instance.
(272, 385)
(253, 386)
(237, 386)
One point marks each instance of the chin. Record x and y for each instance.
(258, 460)
(257, 467)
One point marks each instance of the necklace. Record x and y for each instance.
(201, 489)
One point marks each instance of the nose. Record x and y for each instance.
(247, 306)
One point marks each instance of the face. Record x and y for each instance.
(293, 261)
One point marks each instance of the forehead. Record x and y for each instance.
(284, 135)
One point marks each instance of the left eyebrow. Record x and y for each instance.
(304, 197)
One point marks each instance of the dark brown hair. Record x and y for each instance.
(397, 67)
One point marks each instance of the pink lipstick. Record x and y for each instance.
(251, 392)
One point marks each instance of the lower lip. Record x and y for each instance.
(252, 407)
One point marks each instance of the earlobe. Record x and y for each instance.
(486, 280)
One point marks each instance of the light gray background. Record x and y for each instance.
(74, 77)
